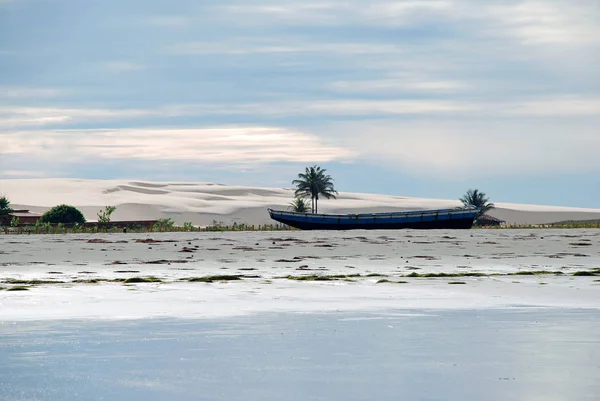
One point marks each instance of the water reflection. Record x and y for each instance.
(448, 355)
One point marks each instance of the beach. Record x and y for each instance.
(291, 315)
(169, 274)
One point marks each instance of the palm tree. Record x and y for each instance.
(312, 183)
(475, 198)
(299, 205)
(5, 208)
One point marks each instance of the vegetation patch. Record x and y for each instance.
(424, 257)
(18, 288)
(212, 279)
(432, 275)
(152, 241)
(88, 281)
(321, 277)
(375, 275)
(595, 272)
(32, 282)
(383, 280)
(148, 279)
(535, 273)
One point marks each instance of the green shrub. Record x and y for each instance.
(104, 215)
(64, 214)
(164, 224)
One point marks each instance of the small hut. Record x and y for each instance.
(487, 220)
(25, 217)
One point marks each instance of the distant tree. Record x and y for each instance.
(299, 205)
(475, 198)
(5, 208)
(314, 183)
(14, 222)
(104, 215)
(64, 214)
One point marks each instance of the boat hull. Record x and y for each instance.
(420, 220)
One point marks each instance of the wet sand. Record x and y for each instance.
(173, 274)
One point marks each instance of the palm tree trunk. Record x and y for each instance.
(316, 206)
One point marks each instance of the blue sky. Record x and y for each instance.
(417, 98)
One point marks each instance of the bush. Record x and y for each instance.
(164, 224)
(64, 214)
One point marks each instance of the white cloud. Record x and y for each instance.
(25, 173)
(337, 12)
(551, 22)
(474, 148)
(280, 46)
(216, 145)
(24, 92)
(566, 106)
(400, 83)
(15, 116)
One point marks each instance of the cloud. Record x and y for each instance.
(266, 46)
(336, 12)
(403, 83)
(22, 116)
(477, 148)
(25, 173)
(566, 106)
(25, 92)
(241, 145)
(549, 22)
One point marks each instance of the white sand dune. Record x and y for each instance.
(201, 203)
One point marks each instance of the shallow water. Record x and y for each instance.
(512, 354)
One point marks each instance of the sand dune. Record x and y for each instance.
(201, 203)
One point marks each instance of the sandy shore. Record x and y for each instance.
(81, 276)
(201, 203)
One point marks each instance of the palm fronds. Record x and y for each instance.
(475, 198)
(312, 183)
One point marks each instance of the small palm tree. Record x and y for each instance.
(314, 183)
(5, 208)
(299, 205)
(475, 198)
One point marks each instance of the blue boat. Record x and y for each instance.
(460, 218)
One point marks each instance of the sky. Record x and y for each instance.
(423, 98)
